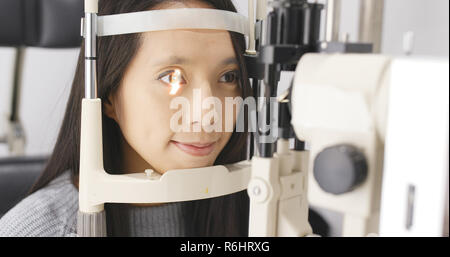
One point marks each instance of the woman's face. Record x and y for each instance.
(202, 61)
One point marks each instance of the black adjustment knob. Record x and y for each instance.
(339, 169)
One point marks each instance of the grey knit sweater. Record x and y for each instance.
(52, 211)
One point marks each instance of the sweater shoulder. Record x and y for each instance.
(50, 211)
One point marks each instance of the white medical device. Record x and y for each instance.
(378, 128)
(339, 105)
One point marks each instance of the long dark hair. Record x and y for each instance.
(220, 216)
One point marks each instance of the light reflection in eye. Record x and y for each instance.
(174, 79)
(175, 84)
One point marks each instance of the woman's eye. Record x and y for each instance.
(172, 77)
(229, 77)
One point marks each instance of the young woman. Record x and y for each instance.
(134, 75)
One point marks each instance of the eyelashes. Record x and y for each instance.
(174, 79)
(233, 75)
(172, 76)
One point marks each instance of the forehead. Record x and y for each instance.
(194, 43)
(173, 4)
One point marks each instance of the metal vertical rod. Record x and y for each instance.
(17, 83)
(260, 29)
(252, 135)
(333, 20)
(90, 60)
(91, 220)
(371, 23)
(251, 22)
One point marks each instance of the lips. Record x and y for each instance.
(195, 149)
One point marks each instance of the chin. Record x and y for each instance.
(190, 163)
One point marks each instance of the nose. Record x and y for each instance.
(205, 107)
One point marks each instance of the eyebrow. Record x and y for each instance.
(181, 60)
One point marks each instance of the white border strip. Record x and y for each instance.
(170, 19)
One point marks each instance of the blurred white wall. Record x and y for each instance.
(428, 19)
(46, 83)
(48, 73)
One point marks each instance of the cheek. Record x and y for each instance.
(230, 108)
(225, 138)
(144, 119)
(230, 111)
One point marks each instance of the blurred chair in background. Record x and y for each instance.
(29, 23)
